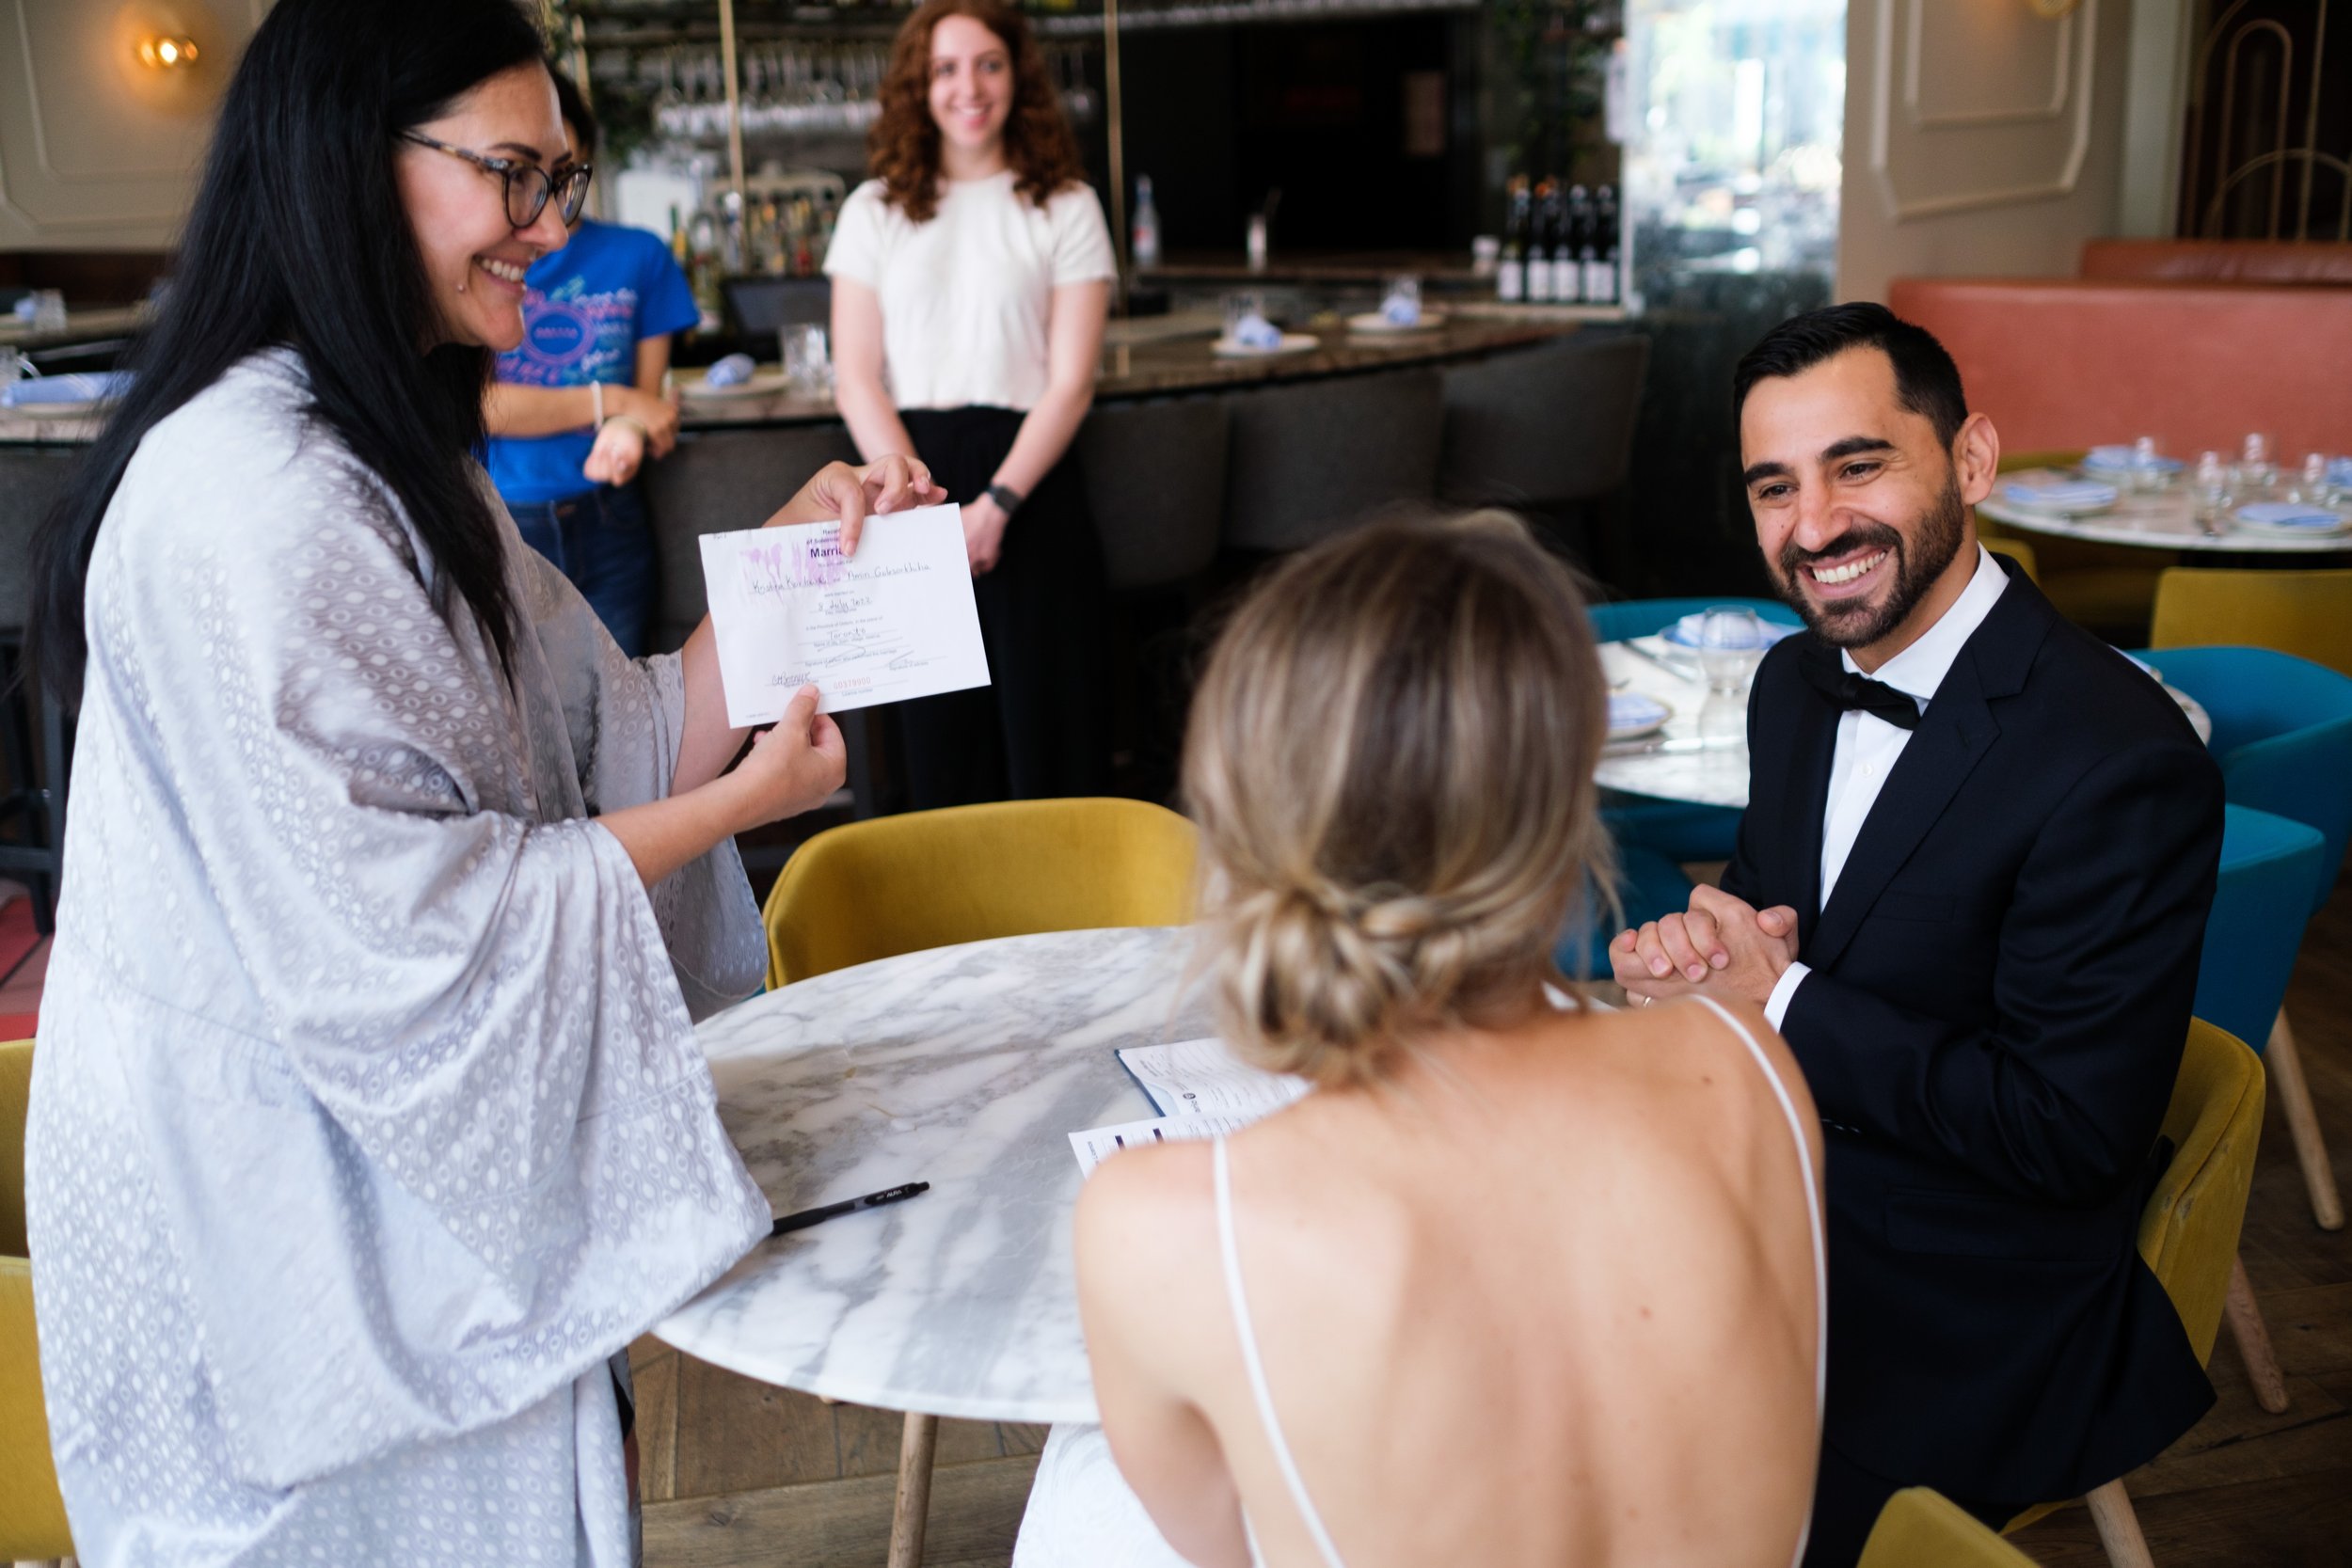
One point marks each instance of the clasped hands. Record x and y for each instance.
(1720, 946)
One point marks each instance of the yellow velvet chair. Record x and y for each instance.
(2307, 613)
(1921, 1529)
(933, 878)
(2188, 1231)
(2105, 586)
(2019, 551)
(32, 1515)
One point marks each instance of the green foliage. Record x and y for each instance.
(1556, 51)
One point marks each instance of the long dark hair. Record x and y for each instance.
(298, 238)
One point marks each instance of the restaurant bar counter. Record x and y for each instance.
(1184, 453)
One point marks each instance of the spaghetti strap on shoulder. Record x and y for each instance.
(1239, 1301)
(1812, 1213)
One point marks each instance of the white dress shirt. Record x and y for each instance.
(1868, 746)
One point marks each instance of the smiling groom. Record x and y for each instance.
(1970, 889)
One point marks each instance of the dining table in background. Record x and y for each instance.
(1700, 758)
(2164, 519)
(967, 1068)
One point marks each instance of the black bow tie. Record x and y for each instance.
(1826, 674)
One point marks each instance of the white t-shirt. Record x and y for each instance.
(966, 297)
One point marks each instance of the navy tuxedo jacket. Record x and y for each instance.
(2001, 995)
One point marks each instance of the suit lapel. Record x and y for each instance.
(1952, 738)
(1814, 747)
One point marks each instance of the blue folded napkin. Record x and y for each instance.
(1685, 632)
(2289, 515)
(2049, 490)
(1630, 710)
(65, 391)
(1255, 332)
(1401, 309)
(2340, 471)
(2124, 460)
(735, 370)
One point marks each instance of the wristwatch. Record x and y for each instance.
(1005, 497)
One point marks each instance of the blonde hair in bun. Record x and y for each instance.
(1391, 758)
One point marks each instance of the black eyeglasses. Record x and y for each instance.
(529, 188)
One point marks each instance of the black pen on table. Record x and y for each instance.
(846, 1205)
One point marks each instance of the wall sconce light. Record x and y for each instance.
(167, 54)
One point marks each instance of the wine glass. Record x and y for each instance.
(1730, 639)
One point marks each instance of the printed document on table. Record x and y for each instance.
(895, 621)
(1099, 1144)
(1190, 1077)
(1205, 1090)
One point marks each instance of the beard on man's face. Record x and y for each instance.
(1858, 623)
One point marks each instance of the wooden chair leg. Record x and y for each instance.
(917, 1443)
(2119, 1526)
(2284, 1060)
(2253, 1341)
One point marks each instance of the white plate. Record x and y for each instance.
(1372, 323)
(1640, 720)
(2289, 530)
(2238, 518)
(1293, 342)
(762, 384)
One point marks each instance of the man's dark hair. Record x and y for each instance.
(1925, 380)
(573, 104)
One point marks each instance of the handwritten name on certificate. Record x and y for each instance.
(895, 621)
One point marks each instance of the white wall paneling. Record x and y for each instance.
(98, 151)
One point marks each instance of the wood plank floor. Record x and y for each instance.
(737, 1473)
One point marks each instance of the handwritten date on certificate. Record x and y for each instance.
(895, 621)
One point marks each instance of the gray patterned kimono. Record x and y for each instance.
(367, 1120)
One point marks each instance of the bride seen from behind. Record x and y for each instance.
(1527, 1284)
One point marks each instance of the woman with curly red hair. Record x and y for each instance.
(970, 281)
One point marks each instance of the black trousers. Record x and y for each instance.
(1042, 725)
(1846, 1503)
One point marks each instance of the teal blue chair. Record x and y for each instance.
(1674, 828)
(1649, 886)
(2259, 912)
(2283, 733)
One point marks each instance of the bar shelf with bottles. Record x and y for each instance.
(1563, 250)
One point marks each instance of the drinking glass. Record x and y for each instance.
(1400, 301)
(2256, 473)
(2313, 490)
(807, 363)
(1731, 637)
(2147, 465)
(2213, 489)
(1239, 306)
(12, 367)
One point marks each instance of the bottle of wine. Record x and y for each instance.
(1578, 252)
(1511, 270)
(1146, 226)
(1542, 250)
(1600, 271)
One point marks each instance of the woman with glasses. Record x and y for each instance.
(970, 281)
(367, 1124)
(577, 406)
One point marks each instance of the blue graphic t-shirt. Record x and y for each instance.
(585, 308)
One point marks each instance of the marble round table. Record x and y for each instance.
(964, 1067)
(2164, 520)
(1701, 756)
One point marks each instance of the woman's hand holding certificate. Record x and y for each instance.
(792, 604)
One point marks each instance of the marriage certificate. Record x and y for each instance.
(895, 621)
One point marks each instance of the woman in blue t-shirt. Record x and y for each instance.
(578, 407)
